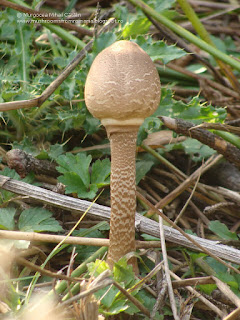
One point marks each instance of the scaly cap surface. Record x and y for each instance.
(122, 86)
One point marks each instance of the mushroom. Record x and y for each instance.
(122, 89)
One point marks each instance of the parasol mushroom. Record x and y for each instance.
(122, 89)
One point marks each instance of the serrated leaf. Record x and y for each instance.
(101, 173)
(193, 111)
(78, 164)
(7, 218)
(38, 220)
(138, 26)
(107, 294)
(159, 50)
(222, 231)
(74, 184)
(76, 176)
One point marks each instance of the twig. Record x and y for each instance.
(187, 182)
(187, 128)
(161, 214)
(224, 288)
(100, 282)
(97, 15)
(23, 163)
(218, 126)
(34, 236)
(45, 272)
(142, 224)
(160, 300)
(199, 296)
(192, 282)
(233, 315)
(188, 200)
(166, 267)
(136, 302)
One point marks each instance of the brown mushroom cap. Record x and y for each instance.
(122, 86)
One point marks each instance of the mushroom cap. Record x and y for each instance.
(123, 85)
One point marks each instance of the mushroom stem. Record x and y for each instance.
(123, 193)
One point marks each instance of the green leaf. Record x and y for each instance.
(101, 173)
(207, 288)
(7, 218)
(142, 168)
(215, 265)
(148, 237)
(196, 149)
(107, 294)
(163, 5)
(97, 267)
(103, 41)
(91, 124)
(228, 278)
(4, 194)
(55, 151)
(78, 164)
(139, 26)
(117, 307)
(123, 273)
(38, 220)
(159, 50)
(150, 125)
(74, 184)
(222, 231)
(76, 176)
(193, 111)
(22, 50)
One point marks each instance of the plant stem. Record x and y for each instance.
(186, 34)
(197, 24)
(228, 136)
(163, 160)
(200, 29)
(62, 285)
(65, 35)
